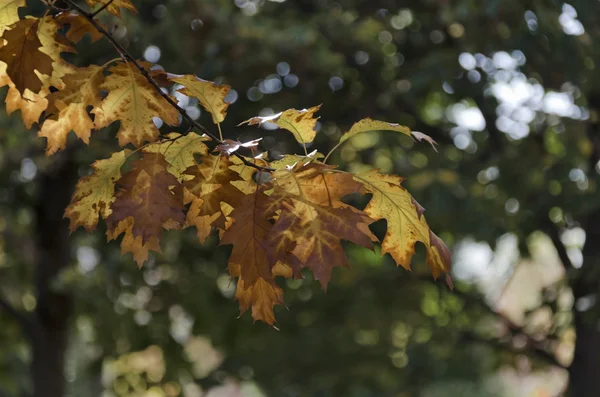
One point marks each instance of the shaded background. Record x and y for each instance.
(508, 88)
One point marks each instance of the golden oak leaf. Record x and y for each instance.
(94, 193)
(250, 175)
(405, 223)
(114, 6)
(81, 91)
(79, 26)
(318, 240)
(301, 123)
(203, 223)
(9, 13)
(31, 105)
(317, 183)
(132, 243)
(134, 102)
(179, 151)
(53, 44)
(367, 125)
(148, 194)
(23, 57)
(210, 95)
(212, 182)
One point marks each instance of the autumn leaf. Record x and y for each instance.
(248, 261)
(318, 241)
(405, 224)
(368, 125)
(317, 219)
(210, 95)
(179, 151)
(23, 57)
(132, 243)
(31, 105)
(114, 6)
(9, 12)
(95, 193)
(301, 123)
(212, 182)
(134, 102)
(147, 194)
(81, 91)
(54, 44)
(79, 26)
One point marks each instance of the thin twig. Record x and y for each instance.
(99, 10)
(129, 58)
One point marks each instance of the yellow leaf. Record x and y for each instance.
(9, 13)
(114, 7)
(179, 151)
(81, 91)
(289, 160)
(31, 105)
(134, 102)
(261, 297)
(405, 223)
(367, 125)
(73, 117)
(95, 193)
(53, 44)
(79, 26)
(23, 57)
(301, 123)
(210, 95)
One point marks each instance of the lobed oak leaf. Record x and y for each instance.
(53, 44)
(210, 95)
(79, 26)
(31, 105)
(251, 177)
(114, 6)
(151, 196)
(368, 124)
(179, 151)
(81, 91)
(134, 102)
(301, 123)
(248, 234)
(132, 243)
(318, 242)
(9, 13)
(202, 223)
(261, 297)
(94, 193)
(405, 223)
(23, 56)
(211, 181)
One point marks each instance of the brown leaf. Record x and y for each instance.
(79, 26)
(114, 7)
(132, 243)
(147, 194)
(23, 57)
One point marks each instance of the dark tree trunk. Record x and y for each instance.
(50, 339)
(584, 372)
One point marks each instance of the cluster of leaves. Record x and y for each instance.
(280, 216)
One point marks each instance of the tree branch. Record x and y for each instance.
(129, 58)
(99, 10)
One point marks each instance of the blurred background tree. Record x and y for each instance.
(507, 88)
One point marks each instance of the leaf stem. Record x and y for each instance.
(331, 151)
(220, 133)
(129, 58)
